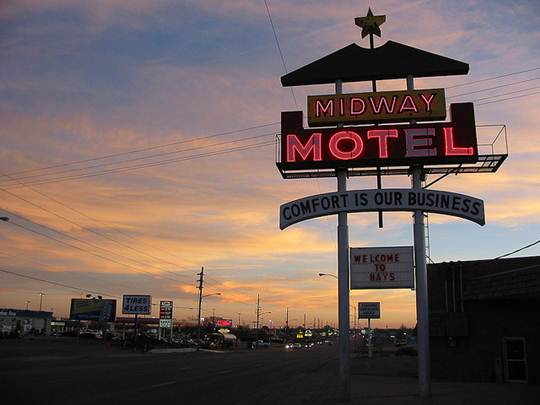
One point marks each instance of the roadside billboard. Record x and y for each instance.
(91, 309)
(137, 304)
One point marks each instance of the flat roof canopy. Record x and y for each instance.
(389, 61)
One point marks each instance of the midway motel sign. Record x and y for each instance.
(384, 106)
(440, 202)
(451, 142)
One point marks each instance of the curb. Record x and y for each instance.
(172, 350)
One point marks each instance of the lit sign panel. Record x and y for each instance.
(389, 199)
(92, 310)
(165, 323)
(165, 309)
(381, 267)
(137, 304)
(369, 310)
(388, 145)
(384, 106)
(224, 323)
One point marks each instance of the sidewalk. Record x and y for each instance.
(375, 390)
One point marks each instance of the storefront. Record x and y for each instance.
(21, 322)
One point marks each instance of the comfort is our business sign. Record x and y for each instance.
(397, 199)
(383, 106)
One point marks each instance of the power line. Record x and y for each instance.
(139, 158)
(158, 163)
(493, 78)
(146, 149)
(495, 87)
(82, 227)
(71, 287)
(57, 283)
(279, 47)
(518, 250)
(81, 240)
(228, 132)
(508, 98)
(98, 221)
(88, 251)
(505, 94)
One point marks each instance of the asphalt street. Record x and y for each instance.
(56, 372)
(87, 374)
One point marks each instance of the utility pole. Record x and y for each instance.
(304, 321)
(40, 300)
(287, 320)
(200, 287)
(239, 318)
(257, 318)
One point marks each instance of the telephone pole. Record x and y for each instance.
(257, 319)
(200, 287)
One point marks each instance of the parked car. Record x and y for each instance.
(91, 333)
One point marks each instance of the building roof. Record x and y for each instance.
(389, 61)
(516, 278)
(24, 313)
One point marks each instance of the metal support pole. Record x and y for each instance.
(343, 294)
(422, 306)
(422, 310)
(343, 284)
(369, 349)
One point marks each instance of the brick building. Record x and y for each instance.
(485, 320)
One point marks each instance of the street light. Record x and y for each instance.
(27, 302)
(328, 274)
(40, 300)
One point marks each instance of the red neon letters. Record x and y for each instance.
(383, 145)
(418, 143)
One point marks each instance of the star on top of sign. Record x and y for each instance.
(370, 23)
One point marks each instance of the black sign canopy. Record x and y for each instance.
(389, 61)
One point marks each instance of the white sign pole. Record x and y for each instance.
(422, 311)
(369, 352)
(343, 284)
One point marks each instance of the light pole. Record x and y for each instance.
(27, 302)
(40, 300)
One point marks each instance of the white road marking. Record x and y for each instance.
(163, 384)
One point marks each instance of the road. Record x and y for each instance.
(57, 372)
(93, 374)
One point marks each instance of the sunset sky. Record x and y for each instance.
(137, 147)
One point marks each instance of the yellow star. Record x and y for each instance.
(370, 23)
